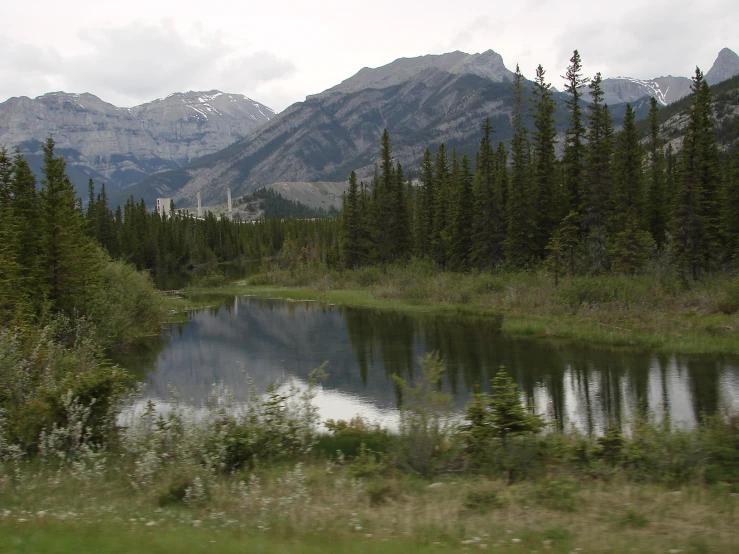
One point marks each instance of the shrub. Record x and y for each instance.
(728, 301)
(558, 494)
(425, 440)
(125, 305)
(44, 372)
(483, 500)
(496, 417)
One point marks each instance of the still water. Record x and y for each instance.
(276, 341)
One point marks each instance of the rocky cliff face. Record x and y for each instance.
(725, 67)
(121, 146)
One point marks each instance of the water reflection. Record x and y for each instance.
(574, 385)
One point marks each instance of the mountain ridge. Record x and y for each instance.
(120, 145)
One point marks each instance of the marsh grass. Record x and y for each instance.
(653, 311)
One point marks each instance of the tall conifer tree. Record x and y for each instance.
(657, 202)
(519, 217)
(574, 154)
(546, 196)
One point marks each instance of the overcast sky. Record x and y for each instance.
(277, 52)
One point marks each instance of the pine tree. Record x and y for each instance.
(657, 205)
(631, 245)
(68, 259)
(9, 246)
(487, 219)
(401, 216)
(350, 226)
(26, 212)
(574, 154)
(546, 205)
(440, 232)
(427, 197)
(696, 220)
(519, 217)
(626, 195)
(598, 159)
(563, 245)
(463, 218)
(731, 209)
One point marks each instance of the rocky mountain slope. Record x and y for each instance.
(121, 146)
(421, 101)
(668, 89)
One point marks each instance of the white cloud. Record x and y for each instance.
(278, 52)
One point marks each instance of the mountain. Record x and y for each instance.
(421, 101)
(121, 146)
(725, 67)
(668, 89)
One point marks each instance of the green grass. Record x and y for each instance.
(127, 538)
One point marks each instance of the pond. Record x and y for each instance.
(573, 385)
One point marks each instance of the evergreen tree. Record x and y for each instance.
(68, 259)
(731, 209)
(487, 220)
(9, 246)
(626, 196)
(574, 153)
(696, 221)
(563, 245)
(631, 245)
(401, 216)
(427, 204)
(546, 205)
(463, 218)
(440, 232)
(351, 226)
(657, 205)
(598, 163)
(519, 217)
(26, 213)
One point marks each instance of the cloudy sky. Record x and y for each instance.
(277, 52)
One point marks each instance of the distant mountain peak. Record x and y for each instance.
(725, 67)
(488, 65)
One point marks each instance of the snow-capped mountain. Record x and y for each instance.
(668, 89)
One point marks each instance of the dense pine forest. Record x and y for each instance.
(612, 202)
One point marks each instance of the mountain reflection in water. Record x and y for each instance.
(276, 340)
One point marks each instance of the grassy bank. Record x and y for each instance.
(335, 512)
(660, 313)
(258, 476)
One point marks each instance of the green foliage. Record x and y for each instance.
(558, 494)
(634, 518)
(124, 305)
(51, 378)
(273, 204)
(483, 500)
(492, 421)
(424, 443)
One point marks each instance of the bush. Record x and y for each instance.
(483, 500)
(52, 376)
(728, 301)
(558, 494)
(125, 305)
(425, 442)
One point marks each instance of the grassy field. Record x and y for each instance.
(643, 312)
(333, 511)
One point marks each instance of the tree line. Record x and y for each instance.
(607, 205)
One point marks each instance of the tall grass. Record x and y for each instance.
(656, 311)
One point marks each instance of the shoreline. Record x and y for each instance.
(675, 333)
